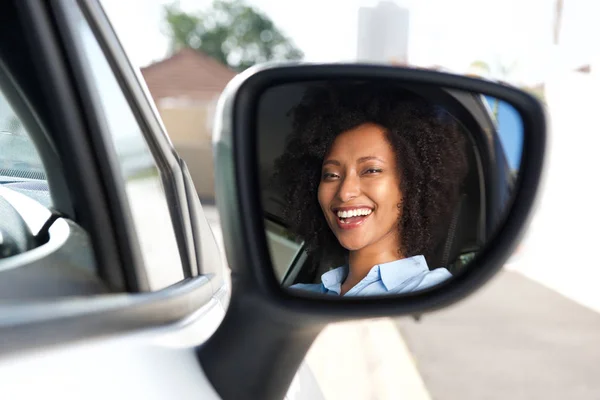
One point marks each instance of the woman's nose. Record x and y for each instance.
(349, 188)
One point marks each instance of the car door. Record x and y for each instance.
(127, 277)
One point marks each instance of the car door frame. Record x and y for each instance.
(70, 128)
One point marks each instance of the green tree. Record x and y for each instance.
(230, 31)
(480, 65)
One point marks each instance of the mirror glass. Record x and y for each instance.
(381, 188)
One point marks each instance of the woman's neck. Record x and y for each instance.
(361, 261)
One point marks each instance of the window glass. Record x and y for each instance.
(138, 168)
(19, 158)
(510, 127)
(283, 248)
(21, 168)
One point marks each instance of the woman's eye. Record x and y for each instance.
(329, 175)
(373, 171)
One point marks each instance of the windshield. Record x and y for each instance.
(19, 159)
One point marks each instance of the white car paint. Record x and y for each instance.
(128, 366)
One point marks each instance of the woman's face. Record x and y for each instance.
(359, 191)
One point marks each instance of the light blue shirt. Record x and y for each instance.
(400, 276)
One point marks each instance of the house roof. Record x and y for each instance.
(188, 73)
(584, 68)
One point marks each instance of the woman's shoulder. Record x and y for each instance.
(311, 287)
(434, 277)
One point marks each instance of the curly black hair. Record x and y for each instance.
(428, 143)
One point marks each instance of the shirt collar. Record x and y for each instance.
(395, 273)
(332, 280)
(392, 274)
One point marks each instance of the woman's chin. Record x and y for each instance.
(352, 245)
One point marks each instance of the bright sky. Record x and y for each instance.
(452, 33)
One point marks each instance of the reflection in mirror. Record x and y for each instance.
(380, 188)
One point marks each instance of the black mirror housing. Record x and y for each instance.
(239, 202)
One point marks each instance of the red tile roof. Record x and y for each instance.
(584, 68)
(188, 73)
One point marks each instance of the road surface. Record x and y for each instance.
(516, 338)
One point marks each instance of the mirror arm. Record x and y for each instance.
(254, 355)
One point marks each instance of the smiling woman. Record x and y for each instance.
(372, 174)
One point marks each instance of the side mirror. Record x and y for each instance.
(423, 181)
(354, 191)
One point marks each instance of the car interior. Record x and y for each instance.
(45, 254)
(466, 232)
(41, 252)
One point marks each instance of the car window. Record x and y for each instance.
(21, 167)
(508, 125)
(138, 169)
(43, 253)
(284, 248)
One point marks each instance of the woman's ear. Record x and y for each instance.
(400, 207)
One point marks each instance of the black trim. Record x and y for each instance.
(256, 351)
(265, 321)
(164, 154)
(24, 98)
(107, 159)
(43, 235)
(192, 199)
(64, 123)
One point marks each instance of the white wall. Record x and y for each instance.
(561, 248)
(383, 33)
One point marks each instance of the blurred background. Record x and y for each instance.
(532, 331)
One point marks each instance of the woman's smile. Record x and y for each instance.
(359, 191)
(352, 217)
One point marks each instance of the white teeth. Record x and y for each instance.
(354, 213)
